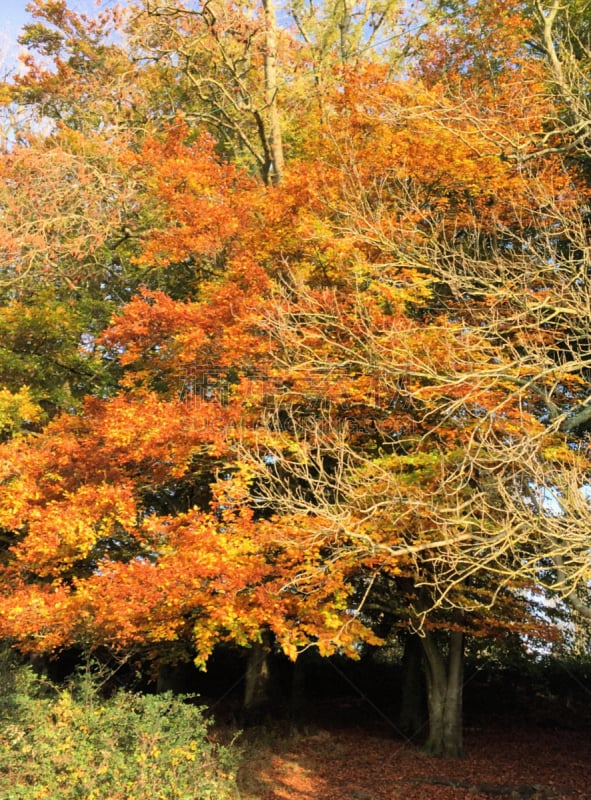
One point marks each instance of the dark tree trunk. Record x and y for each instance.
(297, 697)
(411, 715)
(258, 695)
(444, 677)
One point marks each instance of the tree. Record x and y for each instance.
(68, 206)
(403, 372)
(226, 58)
(344, 383)
(100, 543)
(562, 36)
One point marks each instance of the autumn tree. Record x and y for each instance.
(93, 537)
(533, 479)
(341, 387)
(67, 203)
(562, 35)
(224, 57)
(420, 357)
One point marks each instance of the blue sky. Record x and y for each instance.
(13, 16)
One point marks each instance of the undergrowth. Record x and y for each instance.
(72, 744)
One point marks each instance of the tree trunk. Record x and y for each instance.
(410, 718)
(257, 689)
(444, 693)
(271, 90)
(345, 29)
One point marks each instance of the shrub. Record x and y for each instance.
(76, 746)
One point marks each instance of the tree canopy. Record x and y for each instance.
(294, 328)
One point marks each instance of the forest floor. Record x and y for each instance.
(357, 762)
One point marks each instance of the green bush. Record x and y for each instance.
(75, 746)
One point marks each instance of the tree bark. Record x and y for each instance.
(444, 677)
(257, 689)
(345, 29)
(271, 90)
(571, 597)
(298, 700)
(410, 718)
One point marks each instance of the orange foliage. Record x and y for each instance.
(137, 522)
(206, 202)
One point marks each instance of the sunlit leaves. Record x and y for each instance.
(204, 200)
(310, 387)
(17, 410)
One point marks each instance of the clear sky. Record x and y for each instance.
(13, 16)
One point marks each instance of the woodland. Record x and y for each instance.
(295, 353)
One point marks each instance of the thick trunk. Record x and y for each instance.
(444, 690)
(410, 718)
(271, 90)
(297, 697)
(575, 602)
(257, 689)
(345, 27)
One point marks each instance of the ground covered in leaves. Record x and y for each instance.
(360, 763)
